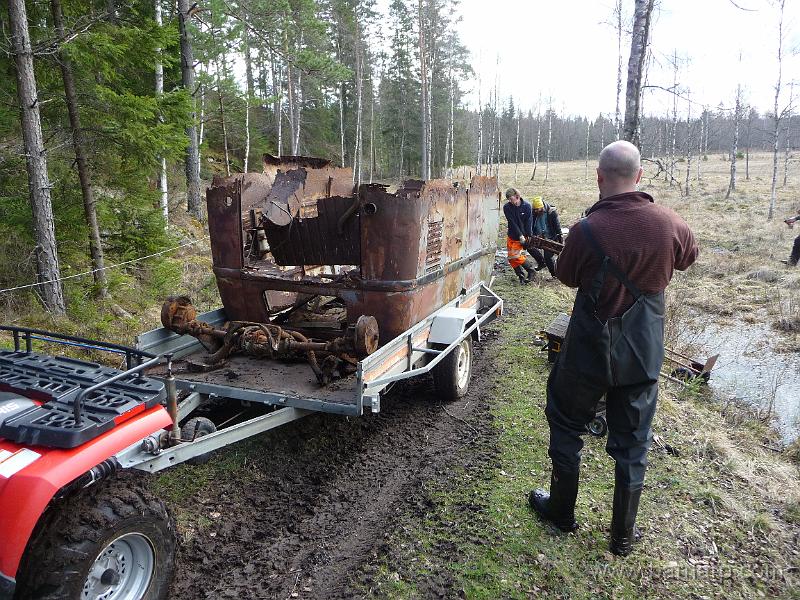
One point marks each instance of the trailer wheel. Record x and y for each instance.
(116, 542)
(194, 428)
(598, 426)
(451, 376)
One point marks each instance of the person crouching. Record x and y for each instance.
(520, 228)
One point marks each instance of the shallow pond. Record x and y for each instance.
(751, 370)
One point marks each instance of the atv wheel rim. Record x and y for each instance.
(462, 370)
(122, 571)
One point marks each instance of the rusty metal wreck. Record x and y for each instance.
(299, 247)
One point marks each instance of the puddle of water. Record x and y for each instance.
(749, 369)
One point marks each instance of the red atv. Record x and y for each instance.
(64, 423)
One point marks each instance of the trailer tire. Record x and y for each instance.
(451, 376)
(194, 428)
(116, 542)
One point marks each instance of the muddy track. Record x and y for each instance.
(326, 493)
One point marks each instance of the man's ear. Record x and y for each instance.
(639, 175)
(599, 176)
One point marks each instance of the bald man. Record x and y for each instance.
(621, 257)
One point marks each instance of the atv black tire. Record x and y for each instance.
(89, 542)
(451, 376)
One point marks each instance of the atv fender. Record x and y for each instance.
(25, 494)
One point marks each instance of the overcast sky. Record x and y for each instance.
(567, 50)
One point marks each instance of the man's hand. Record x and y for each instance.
(790, 222)
(522, 239)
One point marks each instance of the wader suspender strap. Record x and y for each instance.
(606, 264)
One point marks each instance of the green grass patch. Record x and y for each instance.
(700, 540)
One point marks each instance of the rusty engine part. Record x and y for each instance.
(543, 243)
(269, 340)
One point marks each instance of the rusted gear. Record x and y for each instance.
(365, 337)
(177, 312)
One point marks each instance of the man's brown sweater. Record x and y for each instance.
(645, 240)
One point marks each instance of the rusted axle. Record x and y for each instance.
(268, 340)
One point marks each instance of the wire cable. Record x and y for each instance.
(93, 271)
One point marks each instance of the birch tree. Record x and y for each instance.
(193, 200)
(639, 39)
(737, 114)
(776, 116)
(162, 173)
(52, 294)
(425, 99)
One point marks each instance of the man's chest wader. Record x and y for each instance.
(621, 351)
(621, 358)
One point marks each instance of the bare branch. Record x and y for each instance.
(742, 7)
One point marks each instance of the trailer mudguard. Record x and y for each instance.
(31, 476)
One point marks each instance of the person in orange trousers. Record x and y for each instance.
(519, 215)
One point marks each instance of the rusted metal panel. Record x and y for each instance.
(330, 238)
(392, 241)
(225, 224)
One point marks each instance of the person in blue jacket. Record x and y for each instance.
(519, 215)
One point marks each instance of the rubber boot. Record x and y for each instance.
(519, 272)
(795, 255)
(558, 507)
(624, 532)
(531, 275)
(528, 266)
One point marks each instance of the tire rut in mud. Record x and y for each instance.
(314, 519)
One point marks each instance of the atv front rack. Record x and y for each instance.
(75, 400)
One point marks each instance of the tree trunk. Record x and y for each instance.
(603, 132)
(586, 163)
(516, 151)
(735, 145)
(298, 109)
(639, 39)
(222, 117)
(162, 174)
(277, 90)
(79, 144)
(371, 129)
(359, 110)
(747, 151)
(549, 140)
(538, 139)
(248, 69)
(700, 154)
(776, 118)
(688, 149)
(193, 200)
(672, 152)
(786, 133)
(52, 294)
(423, 62)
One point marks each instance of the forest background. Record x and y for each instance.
(141, 102)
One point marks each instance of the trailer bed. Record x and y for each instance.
(248, 374)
